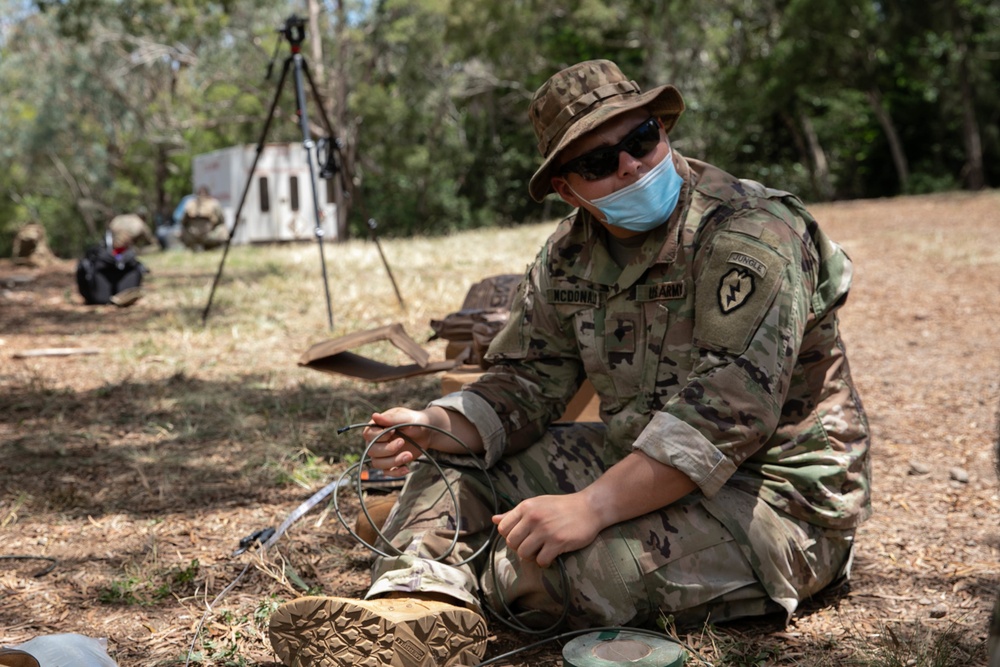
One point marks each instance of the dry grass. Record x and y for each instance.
(140, 468)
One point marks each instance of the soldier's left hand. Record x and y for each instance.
(542, 528)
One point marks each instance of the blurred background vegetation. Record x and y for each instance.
(103, 103)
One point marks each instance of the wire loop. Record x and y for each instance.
(490, 544)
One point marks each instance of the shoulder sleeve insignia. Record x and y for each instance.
(749, 262)
(734, 289)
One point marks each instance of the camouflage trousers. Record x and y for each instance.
(201, 233)
(698, 559)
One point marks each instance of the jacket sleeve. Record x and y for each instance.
(754, 278)
(535, 371)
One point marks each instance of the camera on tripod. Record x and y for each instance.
(327, 152)
(294, 29)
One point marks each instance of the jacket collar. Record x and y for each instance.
(586, 256)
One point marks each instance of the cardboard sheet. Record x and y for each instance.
(334, 356)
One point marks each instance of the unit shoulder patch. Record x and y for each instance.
(749, 262)
(734, 290)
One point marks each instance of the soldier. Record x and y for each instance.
(30, 247)
(731, 467)
(129, 230)
(202, 223)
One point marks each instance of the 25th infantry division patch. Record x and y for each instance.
(735, 289)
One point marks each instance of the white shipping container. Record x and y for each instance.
(279, 202)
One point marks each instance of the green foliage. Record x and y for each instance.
(152, 588)
(831, 100)
(186, 575)
(121, 591)
(302, 467)
(266, 607)
(111, 95)
(918, 645)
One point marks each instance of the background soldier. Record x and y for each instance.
(202, 223)
(111, 272)
(31, 247)
(129, 230)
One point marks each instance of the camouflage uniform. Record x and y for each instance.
(715, 350)
(129, 230)
(30, 247)
(202, 223)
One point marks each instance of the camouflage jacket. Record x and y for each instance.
(714, 350)
(200, 208)
(129, 230)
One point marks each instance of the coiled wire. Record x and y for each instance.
(508, 617)
(489, 547)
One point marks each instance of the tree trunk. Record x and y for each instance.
(316, 49)
(342, 129)
(975, 178)
(811, 153)
(895, 145)
(326, 104)
(80, 194)
(821, 167)
(159, 211)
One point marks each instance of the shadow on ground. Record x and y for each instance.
(143, 448)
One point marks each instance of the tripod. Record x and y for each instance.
(294, 32)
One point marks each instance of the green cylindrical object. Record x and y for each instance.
(606, 649)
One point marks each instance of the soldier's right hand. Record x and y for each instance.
(392, 451)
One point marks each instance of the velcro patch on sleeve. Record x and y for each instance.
(734, 291)
(511, 342)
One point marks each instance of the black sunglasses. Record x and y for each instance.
(603, 161)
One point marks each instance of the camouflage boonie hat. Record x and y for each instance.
(581, 97)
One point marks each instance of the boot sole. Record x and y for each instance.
(127, 297)
(332, 632)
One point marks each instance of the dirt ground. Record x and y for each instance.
(136, 472)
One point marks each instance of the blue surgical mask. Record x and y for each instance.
(645, 204)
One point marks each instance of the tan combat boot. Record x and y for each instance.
(127, 297)
(385, 632)
(379, 508)
(12, 657)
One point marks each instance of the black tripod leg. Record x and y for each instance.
(246, 186)
(307, 142)
(340, 172)
(318, 98)
(399, 297)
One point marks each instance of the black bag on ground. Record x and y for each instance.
(100, 275)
